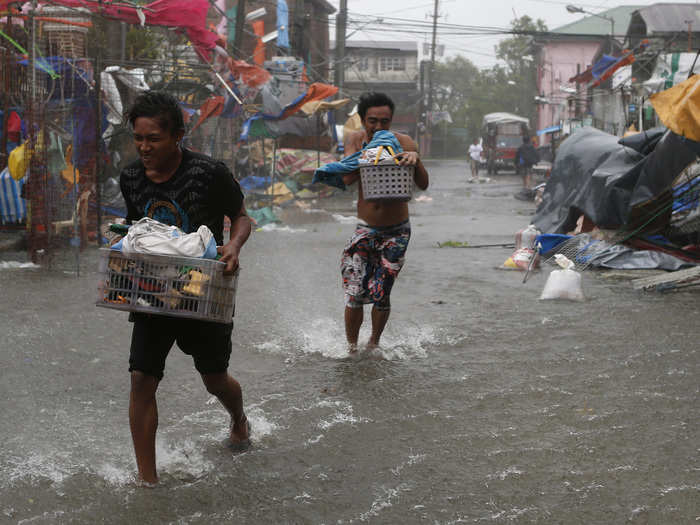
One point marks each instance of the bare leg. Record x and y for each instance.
(229, 393)
(143, 420)
(379, 319)
(353, 322)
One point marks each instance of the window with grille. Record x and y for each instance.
(392, 64)
(362, 63)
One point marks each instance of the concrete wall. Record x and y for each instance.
(558, 62)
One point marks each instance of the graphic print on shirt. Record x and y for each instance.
(168, 212)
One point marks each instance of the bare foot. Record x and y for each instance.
(239, 440)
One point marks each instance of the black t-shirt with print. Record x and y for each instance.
(200, 192)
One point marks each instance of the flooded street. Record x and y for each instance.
(484, 404)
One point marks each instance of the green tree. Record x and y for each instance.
(518, 54)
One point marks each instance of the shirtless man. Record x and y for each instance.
(374, 255)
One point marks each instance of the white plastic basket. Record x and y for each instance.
(387, 181)
(166, 285)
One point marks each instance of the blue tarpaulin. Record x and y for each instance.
(13, 208)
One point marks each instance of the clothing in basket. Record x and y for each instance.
(332, 173)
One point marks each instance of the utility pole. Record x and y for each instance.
(298, 44)
(341, 21)
(238, 34)
(432, 59)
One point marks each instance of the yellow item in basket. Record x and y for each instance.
(173, 299)
(379, 154)
(391, 150)
(196, 284)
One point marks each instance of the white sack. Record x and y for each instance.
(563, 284)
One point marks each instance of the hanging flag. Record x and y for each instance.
(316, 91)
(622, 61)
(212, 107)
(604, 68)
(188, 16)
(259, 53)
(282, 24)
(248, 74)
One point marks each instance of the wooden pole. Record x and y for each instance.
(6, 97)
(340, 28)
(98, 129)
(238, 35)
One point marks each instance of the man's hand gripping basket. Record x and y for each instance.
(166, 285)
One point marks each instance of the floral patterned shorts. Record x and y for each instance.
(371, 260)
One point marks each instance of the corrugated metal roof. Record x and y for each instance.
(670, 18)
(593, 25)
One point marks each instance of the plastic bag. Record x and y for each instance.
(520, 260)
(19, 160)
(526, 237)
(563, 284)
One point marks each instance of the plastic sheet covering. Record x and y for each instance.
(623, 258)
(594, 175)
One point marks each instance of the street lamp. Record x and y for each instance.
(575, 9)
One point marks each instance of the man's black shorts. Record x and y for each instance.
(153, 336)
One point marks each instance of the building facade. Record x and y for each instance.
(565, 52)
(387, 67)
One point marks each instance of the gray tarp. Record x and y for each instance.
(594, 175)
(298, 124)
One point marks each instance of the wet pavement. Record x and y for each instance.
(484, 404)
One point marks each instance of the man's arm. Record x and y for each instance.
(410, 157)
(353, 146)
(240, 231)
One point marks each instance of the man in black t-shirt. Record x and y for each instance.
(187, 190)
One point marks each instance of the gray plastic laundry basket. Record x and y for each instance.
(166, 285)
(387, 181)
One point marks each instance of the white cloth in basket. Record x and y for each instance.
(150, 236)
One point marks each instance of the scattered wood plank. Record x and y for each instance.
(668, 281)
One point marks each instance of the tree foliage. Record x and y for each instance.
(469, 93)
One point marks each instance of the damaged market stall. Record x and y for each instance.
(641, 191)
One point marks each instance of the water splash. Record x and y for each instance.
(343, 219)
(272, 227)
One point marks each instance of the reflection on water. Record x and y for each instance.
(482, 404)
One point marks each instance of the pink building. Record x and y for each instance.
(565, 52)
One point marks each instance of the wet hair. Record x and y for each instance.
(372, 100)
(160, 106)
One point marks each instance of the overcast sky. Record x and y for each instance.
(491, 13)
